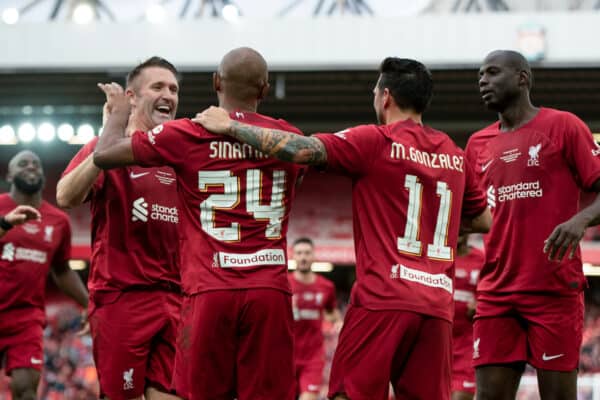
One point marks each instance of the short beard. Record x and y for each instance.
(28, 188)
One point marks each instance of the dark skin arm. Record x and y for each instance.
(568, 234)
(114, 148)
(286, 146)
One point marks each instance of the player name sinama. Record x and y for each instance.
(234, 151)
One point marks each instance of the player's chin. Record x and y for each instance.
(160, 118)
(492, 105)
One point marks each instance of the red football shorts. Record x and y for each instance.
(412, 351)
(20, 341)
(134, 334)
(463, 372)
(309, 375)
(544, 331)
(236, 343)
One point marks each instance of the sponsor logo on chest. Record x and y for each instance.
(142, 211)
(10, 253)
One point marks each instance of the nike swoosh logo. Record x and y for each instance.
(468, 384)
(134, 176)
(35, 360)
(486, 165)
(548, 358)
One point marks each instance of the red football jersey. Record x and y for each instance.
(235, 203)
(135, 224)
(308, 302)
(533, 177)
(410, 186)
(466, 274)
(27, 253)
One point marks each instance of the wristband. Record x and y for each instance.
(5, 225)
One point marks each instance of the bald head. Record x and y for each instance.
(243, 74)
(511, 59)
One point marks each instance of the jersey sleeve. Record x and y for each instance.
(471, 153)
(474, 198)
(581, 152)
(63, 252)
(165, 144)
(80, 157)
(351, 151)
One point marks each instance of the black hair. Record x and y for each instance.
(408, 81)
(151, 62)
(303, 240)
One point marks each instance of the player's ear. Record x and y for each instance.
(130, 93)
(524, 79)
(387, 98)
(264, 91)
(216, 82)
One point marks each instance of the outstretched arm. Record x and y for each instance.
(114, 148)
(286, 146)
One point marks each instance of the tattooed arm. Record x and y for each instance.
(286, 146)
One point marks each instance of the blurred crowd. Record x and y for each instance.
(69, 371)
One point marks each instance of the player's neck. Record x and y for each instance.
(517, 114)
(136, 124)
(33, 200)
(232, 105)
(395, 114)
(305, 277)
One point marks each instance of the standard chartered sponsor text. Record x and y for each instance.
(521, 190)
(162, 213)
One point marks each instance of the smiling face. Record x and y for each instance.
(25, 172)
(154, 96)
(501, 81)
